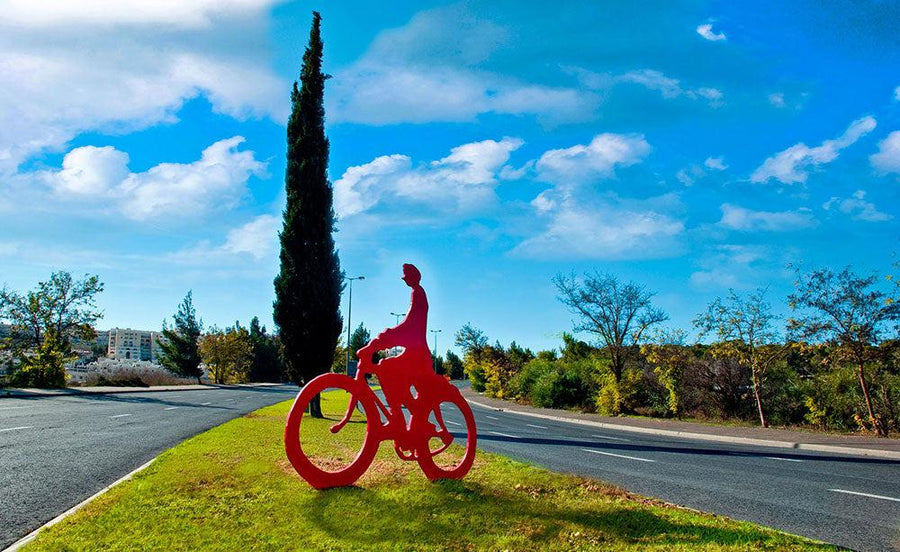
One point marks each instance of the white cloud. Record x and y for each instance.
(706, 32)
(574, 221)
(194, 14)
(746, 220)
(606, 229)
(887, 160)
(732, 266)
(8, 248)
(857, 207)
(90, 171)
(897, 94)
(258, 238)
(510, 173)
(651, 79)
(114, 67)
(690, 174)
(598, 159)
(693, 172)
(256, 241)
(462, 181)
(425, 71)
(777, 99)
(793, 164)
(101, 176)
(715, 163)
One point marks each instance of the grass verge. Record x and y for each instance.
(232, 488)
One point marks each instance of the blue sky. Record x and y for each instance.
(692, 147)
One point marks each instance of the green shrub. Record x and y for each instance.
(566, 385)
(523, 383)
(614, 398)
(832, 399)
(475, 372)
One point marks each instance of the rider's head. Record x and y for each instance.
(411, 275)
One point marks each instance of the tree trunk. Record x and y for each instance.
(876, 423)
(315, 407)
(759, 407)
(618, 364)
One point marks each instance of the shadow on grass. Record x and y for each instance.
(441, 515)
(141, 397)
(605, 445)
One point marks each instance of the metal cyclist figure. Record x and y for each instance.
(408, 382)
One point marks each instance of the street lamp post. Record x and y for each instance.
(435, 332)
(349, 312)
(397, 315)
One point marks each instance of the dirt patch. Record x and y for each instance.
(287, 469)
(390, 471)
(379, 473)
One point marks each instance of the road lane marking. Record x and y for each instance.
(784, 459)
(505, 435)
(536, 426)
(120, 415)
(608, 437)
(865, 494)
(619, 455)
(490, 417)
(454, 423)
(205, 404)
(170, 408)
(15, 428)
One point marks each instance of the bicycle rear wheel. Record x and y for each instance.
(333, 454)
(450, 454)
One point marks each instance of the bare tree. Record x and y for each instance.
(745, 333)
(617, 313)
(849, 312)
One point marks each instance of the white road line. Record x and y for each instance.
(619, 455)
(454, 423)
(120, 415)
(536, 426)
(15, 428)
(865, 494)
(608, 437)
(205, 404)
(505, 435)
(490, 417)
(170, 408)
(785, 459)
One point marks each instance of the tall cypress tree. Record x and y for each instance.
(308, 287)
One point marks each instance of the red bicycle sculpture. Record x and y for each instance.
(408, 384)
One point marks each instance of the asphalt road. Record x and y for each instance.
(849, 501)
(57, 451)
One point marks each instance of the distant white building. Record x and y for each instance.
(128, 344)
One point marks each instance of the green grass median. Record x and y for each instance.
(232, 488)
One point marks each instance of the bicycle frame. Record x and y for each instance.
(390, 429)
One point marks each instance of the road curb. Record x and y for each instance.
(32, 535)
(873, 453)
(76, 391)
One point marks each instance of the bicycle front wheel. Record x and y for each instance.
(449, 454)
(331, 451)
